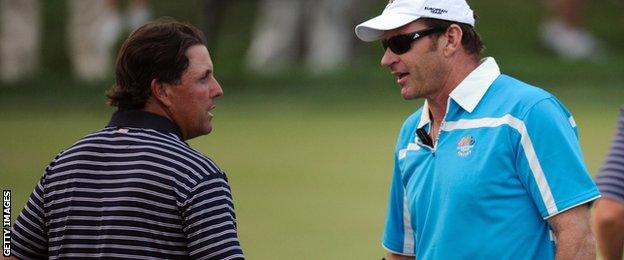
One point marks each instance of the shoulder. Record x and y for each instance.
(208, 166)
(519, 91)
(195, 164)
(156, 150)
(87, 143)
(519, 97)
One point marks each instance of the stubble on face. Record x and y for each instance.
(421, 70)
(424, 70)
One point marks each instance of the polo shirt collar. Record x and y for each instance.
(143, 119)
(424, 116)
(471, 90)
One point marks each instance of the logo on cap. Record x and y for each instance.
(434, 10)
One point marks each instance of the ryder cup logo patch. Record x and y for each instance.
(464, 146)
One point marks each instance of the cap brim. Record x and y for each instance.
(374, 28)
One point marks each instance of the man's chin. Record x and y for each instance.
(408, 96)
(204, 131)
(207, 130)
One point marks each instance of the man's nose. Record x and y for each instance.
(388, 58)
(217, 91)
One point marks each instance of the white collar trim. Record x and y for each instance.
(472, 89)
(424, 116)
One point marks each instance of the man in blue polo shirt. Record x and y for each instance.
(490, 167)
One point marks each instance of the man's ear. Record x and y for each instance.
(453, 40)
(160, 92)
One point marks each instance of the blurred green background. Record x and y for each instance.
(308, 156)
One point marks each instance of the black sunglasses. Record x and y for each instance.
(402, 43)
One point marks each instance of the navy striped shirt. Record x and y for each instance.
(611, 177)
(133, 190)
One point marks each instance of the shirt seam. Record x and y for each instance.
(532, 106)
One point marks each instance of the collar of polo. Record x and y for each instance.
(143, 119)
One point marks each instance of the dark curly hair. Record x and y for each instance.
(156, 50)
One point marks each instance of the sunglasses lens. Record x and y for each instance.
(399, 44)
(403, 43)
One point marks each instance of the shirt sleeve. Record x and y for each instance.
(549, 160)
(210, 221)
(29, 239)
(612, 172)
(398, 236)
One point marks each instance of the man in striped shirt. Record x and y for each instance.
(609, 210)
(136, 189)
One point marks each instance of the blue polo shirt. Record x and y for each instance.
(507, 159)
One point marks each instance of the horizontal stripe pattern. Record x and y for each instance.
(610, 180)
(131, 194)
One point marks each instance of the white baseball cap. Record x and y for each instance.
(401, 12)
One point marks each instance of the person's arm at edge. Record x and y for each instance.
(609, 224)
(393, 256)
(573, 234)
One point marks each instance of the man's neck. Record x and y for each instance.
(438, 101)
(154, 107)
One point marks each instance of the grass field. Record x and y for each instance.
(309, 175)
(309, 158)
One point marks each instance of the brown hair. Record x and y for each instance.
(471, 41)
(156, 50)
